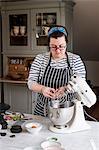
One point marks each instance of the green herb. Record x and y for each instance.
(53, 139)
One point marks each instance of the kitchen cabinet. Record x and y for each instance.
(18, 96)
(41, 20)
(16, 29)
(25, 27)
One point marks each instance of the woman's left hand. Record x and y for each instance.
(59, 92)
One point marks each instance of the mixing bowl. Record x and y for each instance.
(61, 114)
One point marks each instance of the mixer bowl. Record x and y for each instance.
(61, 114)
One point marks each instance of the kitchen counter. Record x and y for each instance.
(84, 140)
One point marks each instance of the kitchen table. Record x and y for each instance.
(84, 140)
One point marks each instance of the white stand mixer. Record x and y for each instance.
(77, 122)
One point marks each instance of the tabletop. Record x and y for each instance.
(83, 140)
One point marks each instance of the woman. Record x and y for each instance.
(51, 71)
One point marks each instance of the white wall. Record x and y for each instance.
(86, 36)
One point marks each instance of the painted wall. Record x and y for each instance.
(0, 45)
(92, 68)
(86, 36)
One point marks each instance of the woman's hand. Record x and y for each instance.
(48, 92)
(60, 92)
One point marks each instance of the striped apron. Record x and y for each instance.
(54, 78)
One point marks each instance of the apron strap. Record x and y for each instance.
(69, 67)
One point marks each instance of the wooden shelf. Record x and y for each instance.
(18, 36)
(13, 81)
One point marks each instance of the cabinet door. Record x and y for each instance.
(41, 20)
(19, 97)
(16, 34)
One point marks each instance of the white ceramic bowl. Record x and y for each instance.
(28, 148)
(33, 127)
(51, 145)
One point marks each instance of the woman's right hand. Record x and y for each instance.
(48, 92)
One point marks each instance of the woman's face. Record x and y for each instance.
(58, 47)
